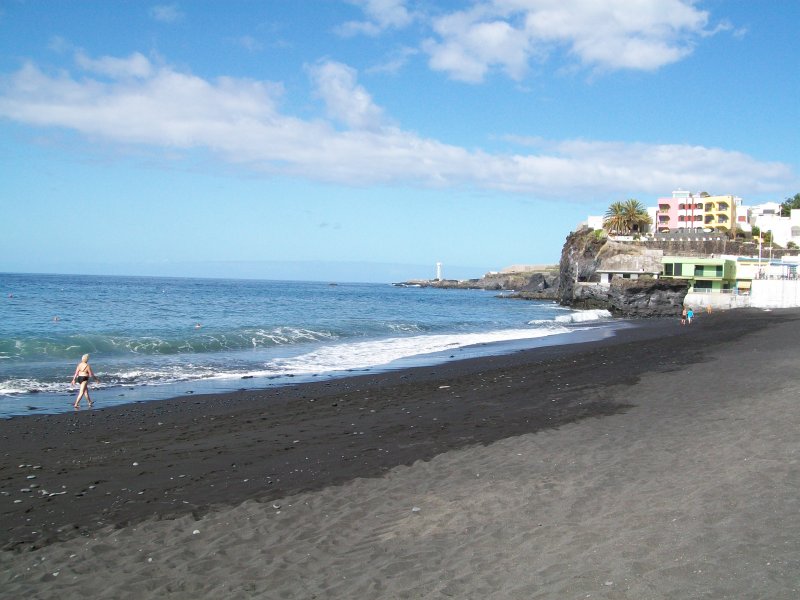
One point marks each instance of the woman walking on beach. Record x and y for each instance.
(82, 374)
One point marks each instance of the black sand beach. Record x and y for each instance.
(661, 463)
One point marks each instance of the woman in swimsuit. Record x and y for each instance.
(82, 374)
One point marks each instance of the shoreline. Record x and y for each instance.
(157, 464)
(48, 403)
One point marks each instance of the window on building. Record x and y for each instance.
(668, 269)
(702, 285)
(718, 270)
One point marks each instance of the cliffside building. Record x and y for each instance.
(687, 211)
(607, 275)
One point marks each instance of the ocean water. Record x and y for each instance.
(153, 338)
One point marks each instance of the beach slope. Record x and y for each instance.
(661, 463)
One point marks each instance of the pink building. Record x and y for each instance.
(695, 212)
(681, 212)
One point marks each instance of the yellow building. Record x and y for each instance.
(719, 212)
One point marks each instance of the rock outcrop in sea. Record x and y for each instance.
(531, 283)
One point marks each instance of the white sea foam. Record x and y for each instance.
(14, 387)
(361, 355)
(575, 316)
(326, 359)
(583, 316)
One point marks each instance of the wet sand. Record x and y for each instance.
(661, 463)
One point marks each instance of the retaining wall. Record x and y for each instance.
(775, 293)
(764, 293)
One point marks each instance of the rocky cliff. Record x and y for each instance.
(586, 252)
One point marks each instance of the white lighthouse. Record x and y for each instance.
(438, 271)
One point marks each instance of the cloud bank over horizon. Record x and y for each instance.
(134, 101)
(351, 140)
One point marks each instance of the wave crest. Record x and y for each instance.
(584, 316)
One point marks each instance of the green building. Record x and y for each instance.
(703, 274)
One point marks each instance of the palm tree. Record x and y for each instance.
(626, 217)
(636, 217)
(614, 219)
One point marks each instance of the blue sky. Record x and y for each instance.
(364, 140)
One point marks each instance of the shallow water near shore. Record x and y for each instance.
(156, 338)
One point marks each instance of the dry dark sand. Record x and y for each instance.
(660, 464)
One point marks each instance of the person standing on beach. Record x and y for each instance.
(689, 316)
(82, 374)
(683, 316)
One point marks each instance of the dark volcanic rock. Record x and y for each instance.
(648, 297)
(645, 297)
(578, 263)
(534, 285)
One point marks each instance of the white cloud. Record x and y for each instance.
(165, 108)
(136, 65)
(345, 100)
(473, 44)
(166, 13)
(608, 35)
(241, 121)
(249, 43)
(381, 15)
(394, 62)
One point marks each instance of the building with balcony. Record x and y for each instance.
(703, 274)
(681, 212)
(719, 212)
(687, 211)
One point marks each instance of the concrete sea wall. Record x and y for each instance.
(764, 293)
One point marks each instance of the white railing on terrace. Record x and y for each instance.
(734, 292)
